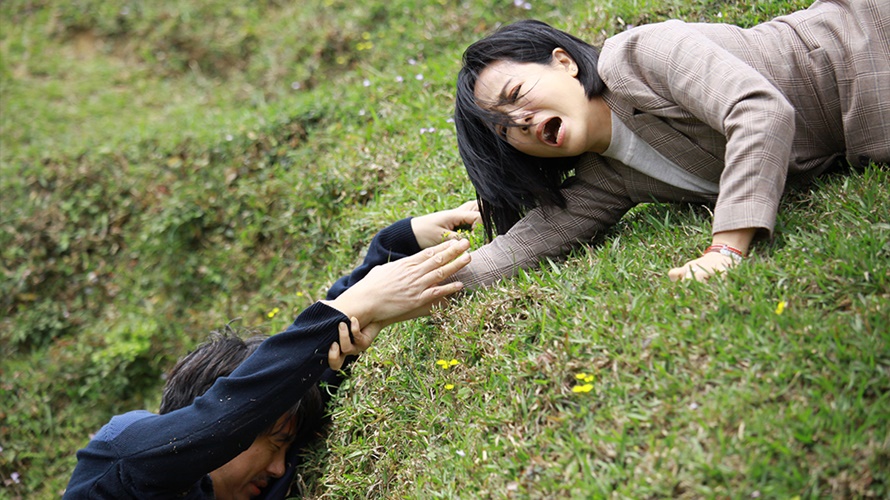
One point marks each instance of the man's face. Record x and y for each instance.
(247, 474)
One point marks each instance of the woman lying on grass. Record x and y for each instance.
(668, 112)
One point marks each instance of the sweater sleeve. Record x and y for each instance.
(392, 243)
(172, 453)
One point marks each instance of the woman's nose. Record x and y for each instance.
(527, 121)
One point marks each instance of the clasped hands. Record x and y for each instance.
(406, 288)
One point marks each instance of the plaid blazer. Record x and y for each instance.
(745, 108)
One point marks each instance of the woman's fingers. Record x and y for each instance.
(397, 288)
(445, 290)
(470, 206)
(701, 268)
(441, 255)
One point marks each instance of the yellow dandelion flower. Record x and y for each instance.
(449, 387)
(582, 388)
(442, 364)
(273, 312)
(299, 294)
(581, 376)
(780, 307)
(453, 362)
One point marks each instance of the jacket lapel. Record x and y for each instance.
(670, 142)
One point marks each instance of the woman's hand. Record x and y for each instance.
(391, 291)
(346, 347)
(434, 228)
(713, 261)
(702, 268)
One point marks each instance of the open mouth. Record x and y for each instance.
(550, 134)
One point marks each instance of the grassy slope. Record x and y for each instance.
(165, 169)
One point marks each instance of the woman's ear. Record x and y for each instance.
(561, 59)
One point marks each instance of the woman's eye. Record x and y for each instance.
(514, 96)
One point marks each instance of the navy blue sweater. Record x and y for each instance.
(143, 455)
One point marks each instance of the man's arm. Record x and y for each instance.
(168, 454)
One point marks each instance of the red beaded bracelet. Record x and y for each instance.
(724, 249)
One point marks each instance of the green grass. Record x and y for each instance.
(167, 167)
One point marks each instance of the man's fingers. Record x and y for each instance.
(338, 352)
(335, 360)
(346, 346)
(362, 340)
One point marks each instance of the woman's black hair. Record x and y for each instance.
(507, 181)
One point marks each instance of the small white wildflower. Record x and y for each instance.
(412, 61)
(419, 76)
(229, 137)
(461, 453)
(399, 79)
(296, 85)
(366, 82)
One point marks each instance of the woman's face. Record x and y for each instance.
(548, 100)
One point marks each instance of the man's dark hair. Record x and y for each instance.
(218, 357)
(507, 181)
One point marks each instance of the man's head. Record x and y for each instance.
(245, 475)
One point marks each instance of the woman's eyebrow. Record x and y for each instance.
(503, 98)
